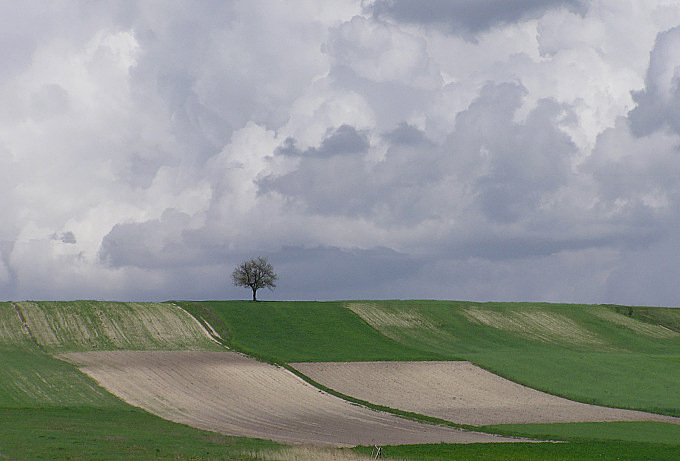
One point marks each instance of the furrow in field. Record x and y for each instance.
(635, 325)
(459, 392)
(535, 324)
(228, 393)
(11, 329)
(91, 325)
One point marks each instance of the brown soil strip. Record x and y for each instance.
(231, 394)
(459, 392)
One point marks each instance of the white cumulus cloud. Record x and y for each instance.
(486, 151)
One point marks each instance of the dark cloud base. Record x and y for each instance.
(466, 16)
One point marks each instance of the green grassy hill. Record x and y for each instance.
(302, 331)
(30, 331)
(96, 325)
(31, 378)
(50, 410)
(618, 356)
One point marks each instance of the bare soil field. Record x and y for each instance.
(459, 392)
(228, 393)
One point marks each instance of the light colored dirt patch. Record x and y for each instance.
(638, 326)
(537, 324)
(459, 392)
(228, 393)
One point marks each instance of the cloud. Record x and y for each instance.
(354, 185)
(406, 134)
(341, 273)
(508, 168)
(154, 243)
(657, 103)
(381, 52)
(645, 270)
(65, 237)
(633, 162)
(456, 149)
(345, 140)
(513, 167)
(467, 17)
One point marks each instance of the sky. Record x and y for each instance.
(485, 150)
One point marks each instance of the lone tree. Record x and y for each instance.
(256, 273)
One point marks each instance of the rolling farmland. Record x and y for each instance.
(459, 392)
(407, 357)
(592, 354)
(232, 394)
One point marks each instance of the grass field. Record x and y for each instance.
(614, 355)
(642, 431)
(574, 451)
(611, 355)
(30, 378)
(587, 441)
(124, 433)
(593, 354)
(302, 331)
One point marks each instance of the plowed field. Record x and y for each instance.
(459, 392)
(231, 394)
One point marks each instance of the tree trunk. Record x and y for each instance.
(254, 291)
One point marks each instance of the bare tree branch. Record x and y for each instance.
(256, 273)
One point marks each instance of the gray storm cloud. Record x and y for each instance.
(468, 150)
(468, 16)
(658, 102)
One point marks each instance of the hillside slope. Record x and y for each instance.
(97, 325)
(49, 409)
(606, 355)
(593, 354)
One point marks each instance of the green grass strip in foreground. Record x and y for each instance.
(110, 434)
(633, 431)
(573, 451)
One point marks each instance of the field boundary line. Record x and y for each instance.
(401, 413)
(593, 402)
(209, 331)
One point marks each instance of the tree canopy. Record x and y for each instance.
(256, 273)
